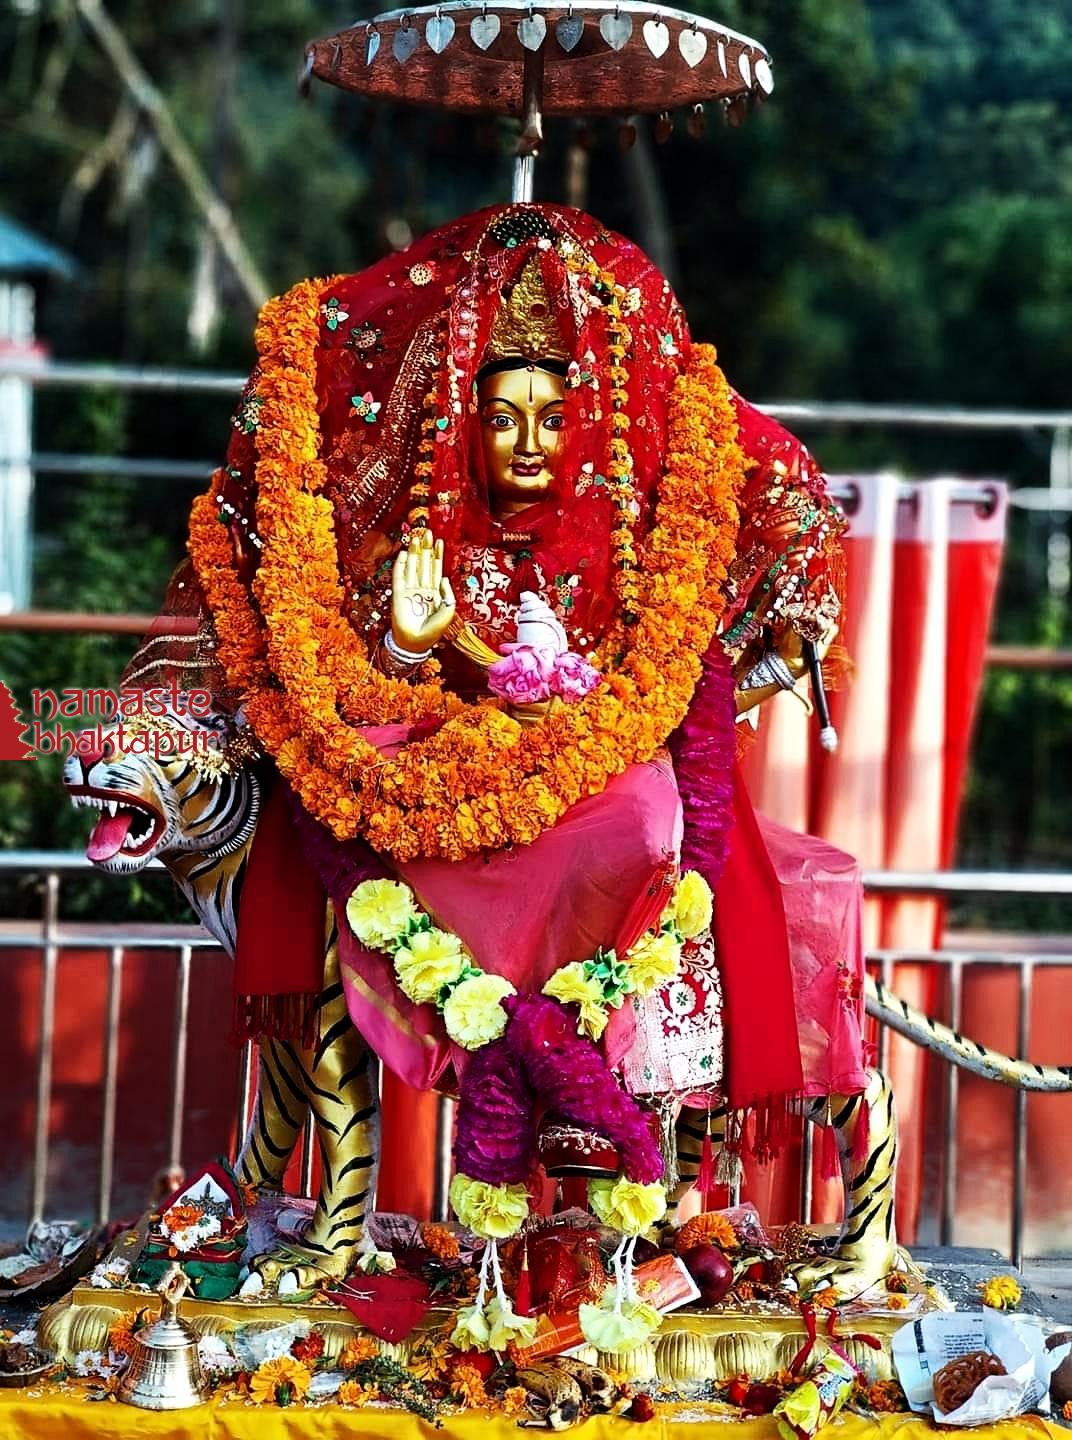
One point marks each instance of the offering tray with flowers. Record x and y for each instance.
(408, 1310)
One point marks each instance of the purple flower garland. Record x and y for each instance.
(568, 1075)
(495, 1139)
(703, 748)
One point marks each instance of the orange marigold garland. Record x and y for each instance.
(240, 635)
(481, 781)
(442, 1243)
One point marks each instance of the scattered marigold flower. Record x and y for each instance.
(443, 1243)
(709, 1229)
(280, 1381)
(744, 1290)
(896, 1302)
(1066, 1410)
(249, 1192)
(429, 1359)
(642, 1408)
(1000, 1292)
(825, 1299)
(897, 1282)
(121, 1335)
(885, 1395)
(482, 1361)
(514, 1401)
(356, 1351)
(181, 1216)
(467, 1386)
(308, 1347)
(352, 1392)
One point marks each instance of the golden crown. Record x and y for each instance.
(525, 325)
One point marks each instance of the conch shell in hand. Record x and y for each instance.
(539, 626)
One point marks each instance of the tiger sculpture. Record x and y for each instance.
(199, 818)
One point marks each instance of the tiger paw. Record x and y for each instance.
(849, 1271)
(293, 1273)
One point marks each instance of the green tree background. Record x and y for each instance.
(896, 224)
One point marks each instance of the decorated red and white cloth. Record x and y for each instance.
(678, 1047)
(678, 1044)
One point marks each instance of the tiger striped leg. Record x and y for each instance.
(689, 1137)
(867, 1247)
(278, 1117)
(337, 1077)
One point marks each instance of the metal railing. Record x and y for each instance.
(49, 936)
(42, 373)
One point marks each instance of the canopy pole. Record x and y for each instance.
(528, 146)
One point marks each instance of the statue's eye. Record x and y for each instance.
(501, 421)
(557, 421)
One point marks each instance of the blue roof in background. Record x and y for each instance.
(22, 253)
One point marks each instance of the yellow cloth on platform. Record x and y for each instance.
(69, 1416)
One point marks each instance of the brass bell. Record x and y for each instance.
(165, 1370)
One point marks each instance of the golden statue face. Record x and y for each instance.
(523, 433)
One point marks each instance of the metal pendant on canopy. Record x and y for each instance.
(531, 58)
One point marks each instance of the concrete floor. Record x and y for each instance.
(1047, 1283)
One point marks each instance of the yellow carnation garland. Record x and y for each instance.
(482, 780)
(433, 966)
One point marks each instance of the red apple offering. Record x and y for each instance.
(711, 1270)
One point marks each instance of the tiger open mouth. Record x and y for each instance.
(127, 824)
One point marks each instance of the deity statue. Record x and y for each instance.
(496, 558)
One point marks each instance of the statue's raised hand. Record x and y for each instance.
(422, 601)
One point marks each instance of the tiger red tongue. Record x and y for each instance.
(108, 835)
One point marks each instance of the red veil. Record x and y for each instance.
(400, 349)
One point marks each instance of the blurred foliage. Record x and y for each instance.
(896, 224)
